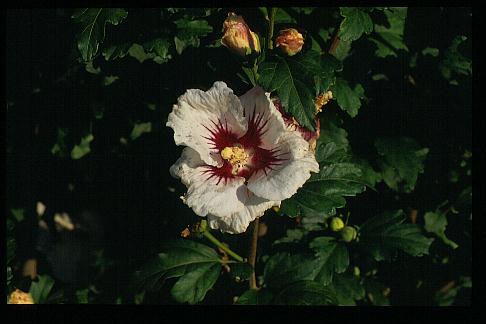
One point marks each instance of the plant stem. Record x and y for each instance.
(223, 247)
(273, 10)
(252, 254)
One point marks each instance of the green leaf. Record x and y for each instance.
(298, 80)
(401, 161)
(342, 50)
(189, 32)
(391, 38)
(292, 235)
(136, 51)
(18, 214)
(255, 297)
(356, 22)
(60, 148)
(348, 99)
(93, 22)
(383, 235)
(41, 288)
(196, 265)
(454, 63)
(436, 222)
(82, 296)
(139, 129)
(116, 51)
(159, 46)
(195, 283)
(338, 177)
(108, 80)
(432, 51)
(283, 17)
(305, 292)
(11, 243)
(332, 256)
(83, 148)
(347, 289)
(284, 268)
(91, 69)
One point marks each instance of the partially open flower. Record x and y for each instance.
(240, 158)
(238, 37)
(290, 41)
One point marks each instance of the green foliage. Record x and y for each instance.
(331, 256)
(196, 265)
(454, 63)
(337, 178)
(139, 129)
(298, 80)
(356, 22)
(348, 289)
(255, 297)
(447, 297)
(283, 269)
(436, 222)
(60, 148)
(93, 22)
(383, 235)
(189, 32)
(348, 99)
(11, 244)
(401, 161)
(390, 39)
(83, 148)
(432, 51)
(305, 292)
(41, 290)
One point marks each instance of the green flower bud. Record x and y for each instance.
(348, 234)
(337, 224)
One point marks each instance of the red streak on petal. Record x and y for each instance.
(260, 159)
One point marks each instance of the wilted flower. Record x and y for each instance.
(290, 41)
(238, 37)
(19, 297)
(240, 158)
(321, 100)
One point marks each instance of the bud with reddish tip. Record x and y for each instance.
(290, 41)
(238, 37)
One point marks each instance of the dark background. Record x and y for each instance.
(127, 186)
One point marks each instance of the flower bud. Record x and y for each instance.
(290, 41)
(337, 224)
(238, 37)
(348, 233)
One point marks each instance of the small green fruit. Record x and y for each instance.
(337, 224)
(348, 234)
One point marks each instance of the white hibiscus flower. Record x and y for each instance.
(241, 158)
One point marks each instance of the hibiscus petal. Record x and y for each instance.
(196, 114)
(283, 182)
(257, 104)
(229, 205)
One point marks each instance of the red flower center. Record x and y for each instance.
(242, 157)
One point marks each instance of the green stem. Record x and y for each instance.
(223, 247)
(270, 27)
